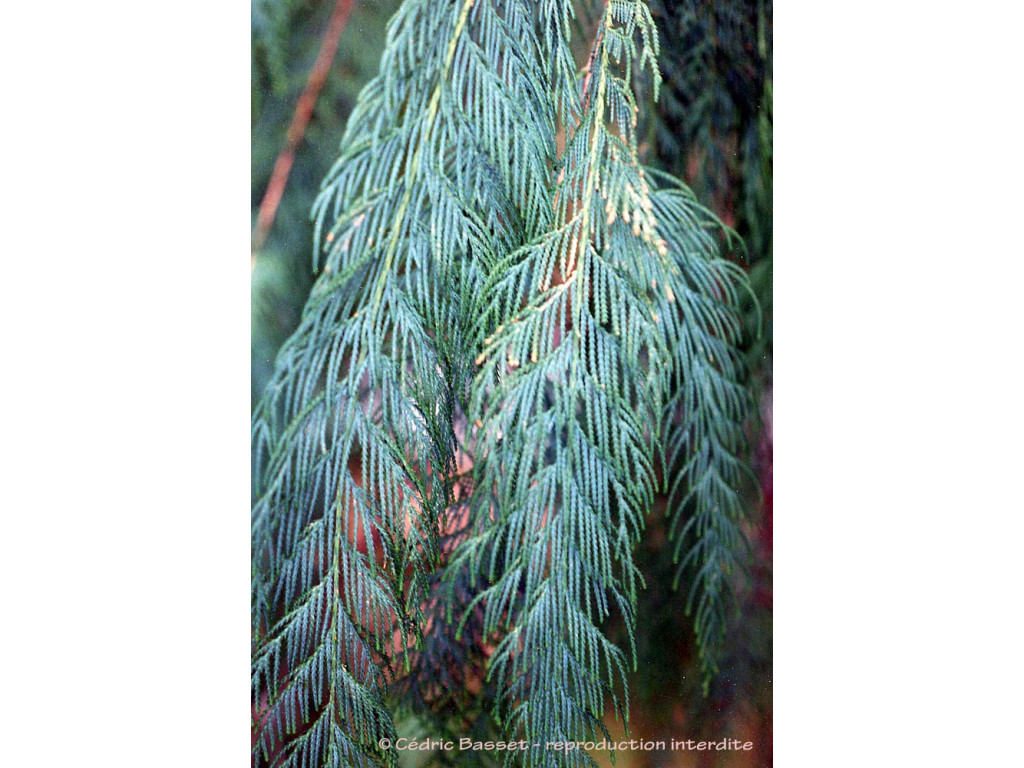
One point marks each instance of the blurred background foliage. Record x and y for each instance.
(712, 127)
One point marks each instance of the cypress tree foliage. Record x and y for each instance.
(704, 418)
(501, 279)
(712, 125)
(569, 382)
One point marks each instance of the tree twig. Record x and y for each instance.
(589, 68)
(300, 121)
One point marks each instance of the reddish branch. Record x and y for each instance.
(300, 121)
(589, 68)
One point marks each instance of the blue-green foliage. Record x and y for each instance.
(568, 388)
(569, 321)
(704, 415)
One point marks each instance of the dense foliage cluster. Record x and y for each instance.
(521, 345)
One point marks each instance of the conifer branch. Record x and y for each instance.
(704, 417)
(565, 400)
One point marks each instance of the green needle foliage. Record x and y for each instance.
(704, 417)
(518, 337)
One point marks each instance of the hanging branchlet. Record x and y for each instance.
(569, 398)
(703, 419)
